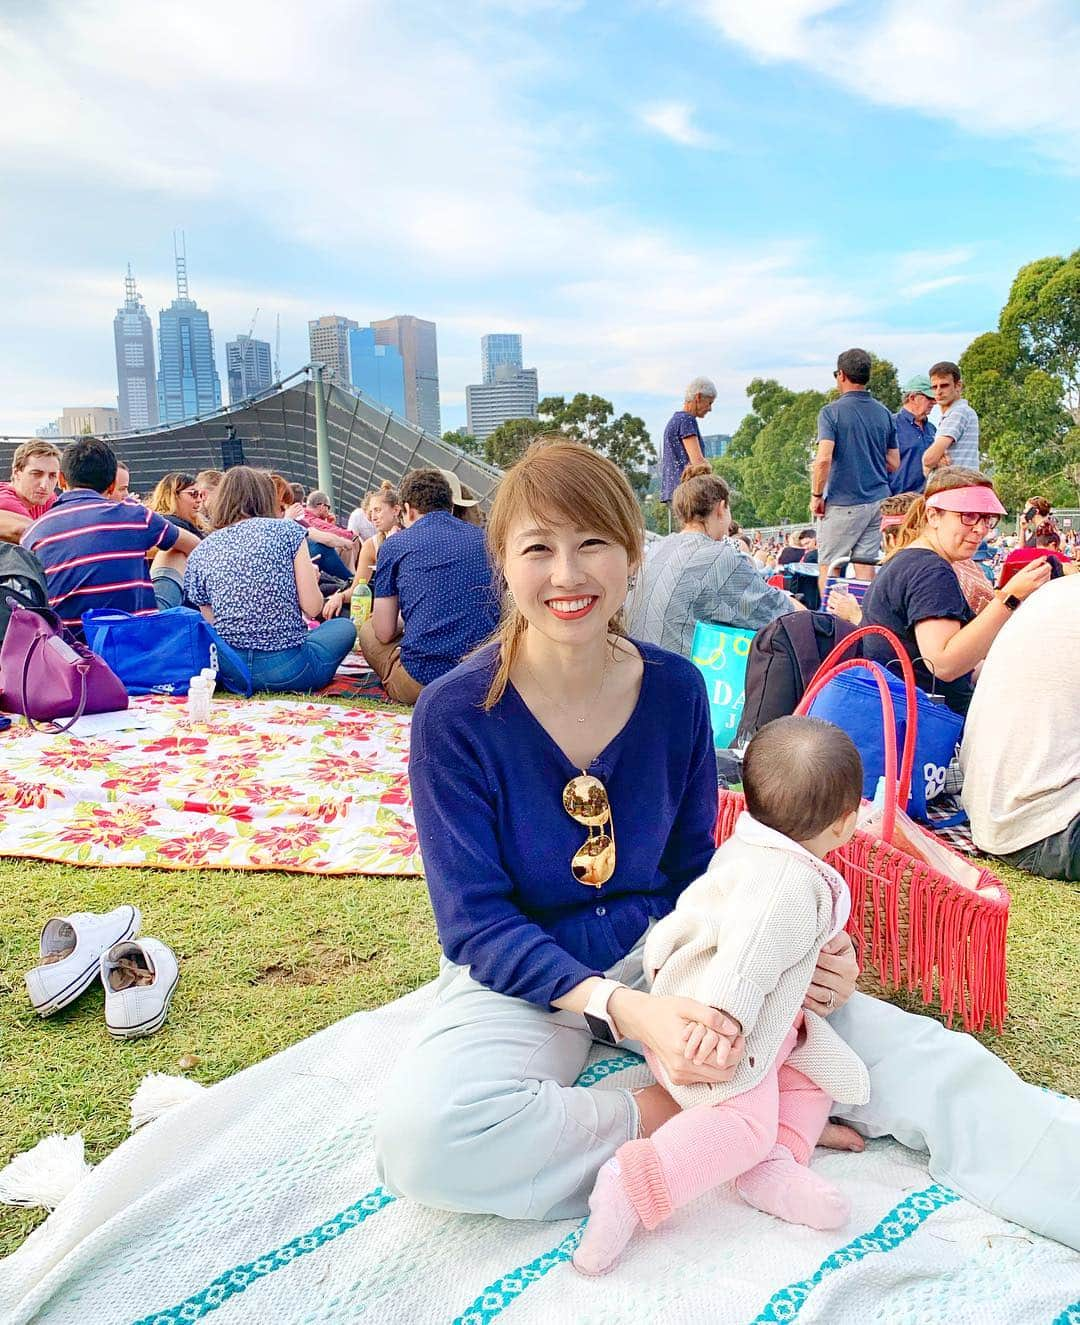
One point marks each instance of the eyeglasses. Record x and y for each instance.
(585, 800)
(969, 519)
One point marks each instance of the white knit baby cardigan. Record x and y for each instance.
(745, 938)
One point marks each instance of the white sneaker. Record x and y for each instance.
(139, 978)
(71, 948)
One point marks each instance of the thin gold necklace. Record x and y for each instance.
(562, 707)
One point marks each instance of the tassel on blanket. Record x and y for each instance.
(44, 1175)
(157, 1094)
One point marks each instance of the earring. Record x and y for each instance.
(631, 582)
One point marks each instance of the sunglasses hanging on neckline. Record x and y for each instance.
(585, 800)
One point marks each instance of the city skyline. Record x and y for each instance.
(645, 196)
(507, 390)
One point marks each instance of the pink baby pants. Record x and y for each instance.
(704, 1147)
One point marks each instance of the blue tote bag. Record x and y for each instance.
(159, 654)
(852, 701)
(720, 654)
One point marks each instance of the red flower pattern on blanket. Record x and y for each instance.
(266, 784)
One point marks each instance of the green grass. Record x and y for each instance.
(267, 959)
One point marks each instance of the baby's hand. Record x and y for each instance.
(701, 1044)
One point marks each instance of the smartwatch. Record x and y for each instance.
(599, 1020)
(1011, 601)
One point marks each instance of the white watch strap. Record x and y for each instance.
(597, 1005)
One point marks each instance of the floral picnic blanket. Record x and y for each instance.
(275, 784)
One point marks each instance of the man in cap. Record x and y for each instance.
(914, 435)
(682, 436)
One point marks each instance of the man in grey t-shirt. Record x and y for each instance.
(957, 438)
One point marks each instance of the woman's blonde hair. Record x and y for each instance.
(561, 482)
(698, 494)
(163, 498)
(941, 480)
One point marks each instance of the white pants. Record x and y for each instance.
(480, 1114)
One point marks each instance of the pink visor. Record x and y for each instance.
(892, 521)
(977, 500)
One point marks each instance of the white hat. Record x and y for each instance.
(456, 495)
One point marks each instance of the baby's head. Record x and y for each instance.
(803, 777)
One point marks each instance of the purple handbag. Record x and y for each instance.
(46, 674)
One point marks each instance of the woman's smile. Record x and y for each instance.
(572, 609)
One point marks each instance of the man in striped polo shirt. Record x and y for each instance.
(94, 549)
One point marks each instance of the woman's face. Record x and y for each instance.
(384, 515)
(187, 503)
(568, 583)
(956, 541)
(718, 521)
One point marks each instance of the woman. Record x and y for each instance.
(696, 575)
(255, 581)
(179, 499)
(544, 876)
(385, 512)
(917, 595)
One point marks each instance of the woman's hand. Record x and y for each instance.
(332, 606)
(1024, 583)
(665, 1024)
(844, 604)
(834, 978)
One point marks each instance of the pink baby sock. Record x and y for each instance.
(781, 1186)
(612, 1222)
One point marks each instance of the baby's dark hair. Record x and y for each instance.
(800, 775)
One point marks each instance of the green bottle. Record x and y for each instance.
(360, 609)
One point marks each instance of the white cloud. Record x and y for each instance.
(919, 289)
(384, 145)
(674, 120)
(997, 67)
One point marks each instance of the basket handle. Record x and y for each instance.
(825, 672)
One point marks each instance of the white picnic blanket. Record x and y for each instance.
(258, 1201)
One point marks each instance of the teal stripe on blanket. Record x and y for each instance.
(1070, 1316)
(898, 1225)
(498, 1295)
(243, 1276)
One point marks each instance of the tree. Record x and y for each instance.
(464, 441)
(884, 383)
(589, 419)
(1043, 315)
(1023, 380)
(510, 440)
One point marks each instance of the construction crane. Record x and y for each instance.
(254, 319)
(277, 351)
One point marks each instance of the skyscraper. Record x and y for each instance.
(188, 382)
(328, 342)
(377, 370)
(414, 339)
(514, 394)
(83, 420)
(501, 349)
(247, 365)
(136, 381)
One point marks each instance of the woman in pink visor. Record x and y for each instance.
(918, 597)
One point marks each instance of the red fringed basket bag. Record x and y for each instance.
(915, 927)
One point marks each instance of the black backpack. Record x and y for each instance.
(783, 659)
(21, 578)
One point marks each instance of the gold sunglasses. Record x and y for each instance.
(585, 800)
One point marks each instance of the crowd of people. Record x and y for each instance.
(266, 563)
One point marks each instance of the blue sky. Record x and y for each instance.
(646, 190)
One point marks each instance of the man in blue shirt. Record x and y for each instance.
(93, 548)
(850, 474)
(682, 436)
(434, 593)
(914, 434)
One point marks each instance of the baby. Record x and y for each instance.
(745, 938)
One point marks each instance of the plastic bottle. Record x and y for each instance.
(198, 700)
(360, 609)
